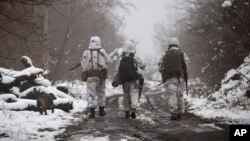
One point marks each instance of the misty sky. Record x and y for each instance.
(140, 24)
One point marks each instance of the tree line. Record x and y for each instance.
(214, 33)
(54, 33)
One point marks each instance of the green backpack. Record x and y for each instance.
(172, 64)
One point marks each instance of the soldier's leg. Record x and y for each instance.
(126, 98)
(171, 88)
(101, 95)
(134, 95)
(91, 91)
(180, 99)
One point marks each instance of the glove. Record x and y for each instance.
(115, 84)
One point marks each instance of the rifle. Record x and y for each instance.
(140, 86)
(186, 80)
(76, 66)
(160, 84)
(242, 75)
(185, 71)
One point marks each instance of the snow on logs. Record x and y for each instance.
(20, 87)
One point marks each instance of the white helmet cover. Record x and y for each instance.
(173, 41)
(129, 47)
(95, 42)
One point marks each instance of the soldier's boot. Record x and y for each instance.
(127, 114)
(179, 116)
(92, 112)
(133, 115)
(101, 111)
(174, 116)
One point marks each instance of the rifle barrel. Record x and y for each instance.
(242, 75)
(77, 65)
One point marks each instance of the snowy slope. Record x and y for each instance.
(230, 103)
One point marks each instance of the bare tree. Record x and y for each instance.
(23, 29)
(81, 21)
(215, 37)
(54, 33)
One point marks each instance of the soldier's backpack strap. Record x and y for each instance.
(91, 53)
(98, 52)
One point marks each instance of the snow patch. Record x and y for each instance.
(28, 71)
(5, 97)
(230, 103)
(213, 126)
(92, 138)
(146, 120)
(7, 79)
(226, 3)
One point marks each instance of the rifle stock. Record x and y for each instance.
(186, 80)
(76, 66)
(242, 75)
(141, 83)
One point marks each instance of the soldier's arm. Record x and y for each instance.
(160, 63)
(113, 54)
(84, 61)
(186, 60)
(140, 63)
(117, 67)
(106, 56)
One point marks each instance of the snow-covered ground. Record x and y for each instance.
(230, 104)
(29, 125)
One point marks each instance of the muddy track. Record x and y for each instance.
(152, 124)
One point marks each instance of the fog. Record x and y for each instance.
(141, 22)
(55, 33)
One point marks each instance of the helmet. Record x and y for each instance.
(173, 41)
(130, 46)
(95, 41)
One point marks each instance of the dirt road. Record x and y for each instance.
(152, 124)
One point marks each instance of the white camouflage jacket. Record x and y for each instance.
(104, 59)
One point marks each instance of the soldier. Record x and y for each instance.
(94, 62)
(127, 70)
(173, 66)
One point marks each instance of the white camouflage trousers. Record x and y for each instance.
(175, 91)
(130, 96)
(96, 88)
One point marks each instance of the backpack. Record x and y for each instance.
(102, 74)
(172, 65)
(128, 69)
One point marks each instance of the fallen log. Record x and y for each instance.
(9, 98)
(31, 105)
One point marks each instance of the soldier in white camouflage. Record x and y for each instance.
(95, 62)
(172, 67)
(127, 70)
